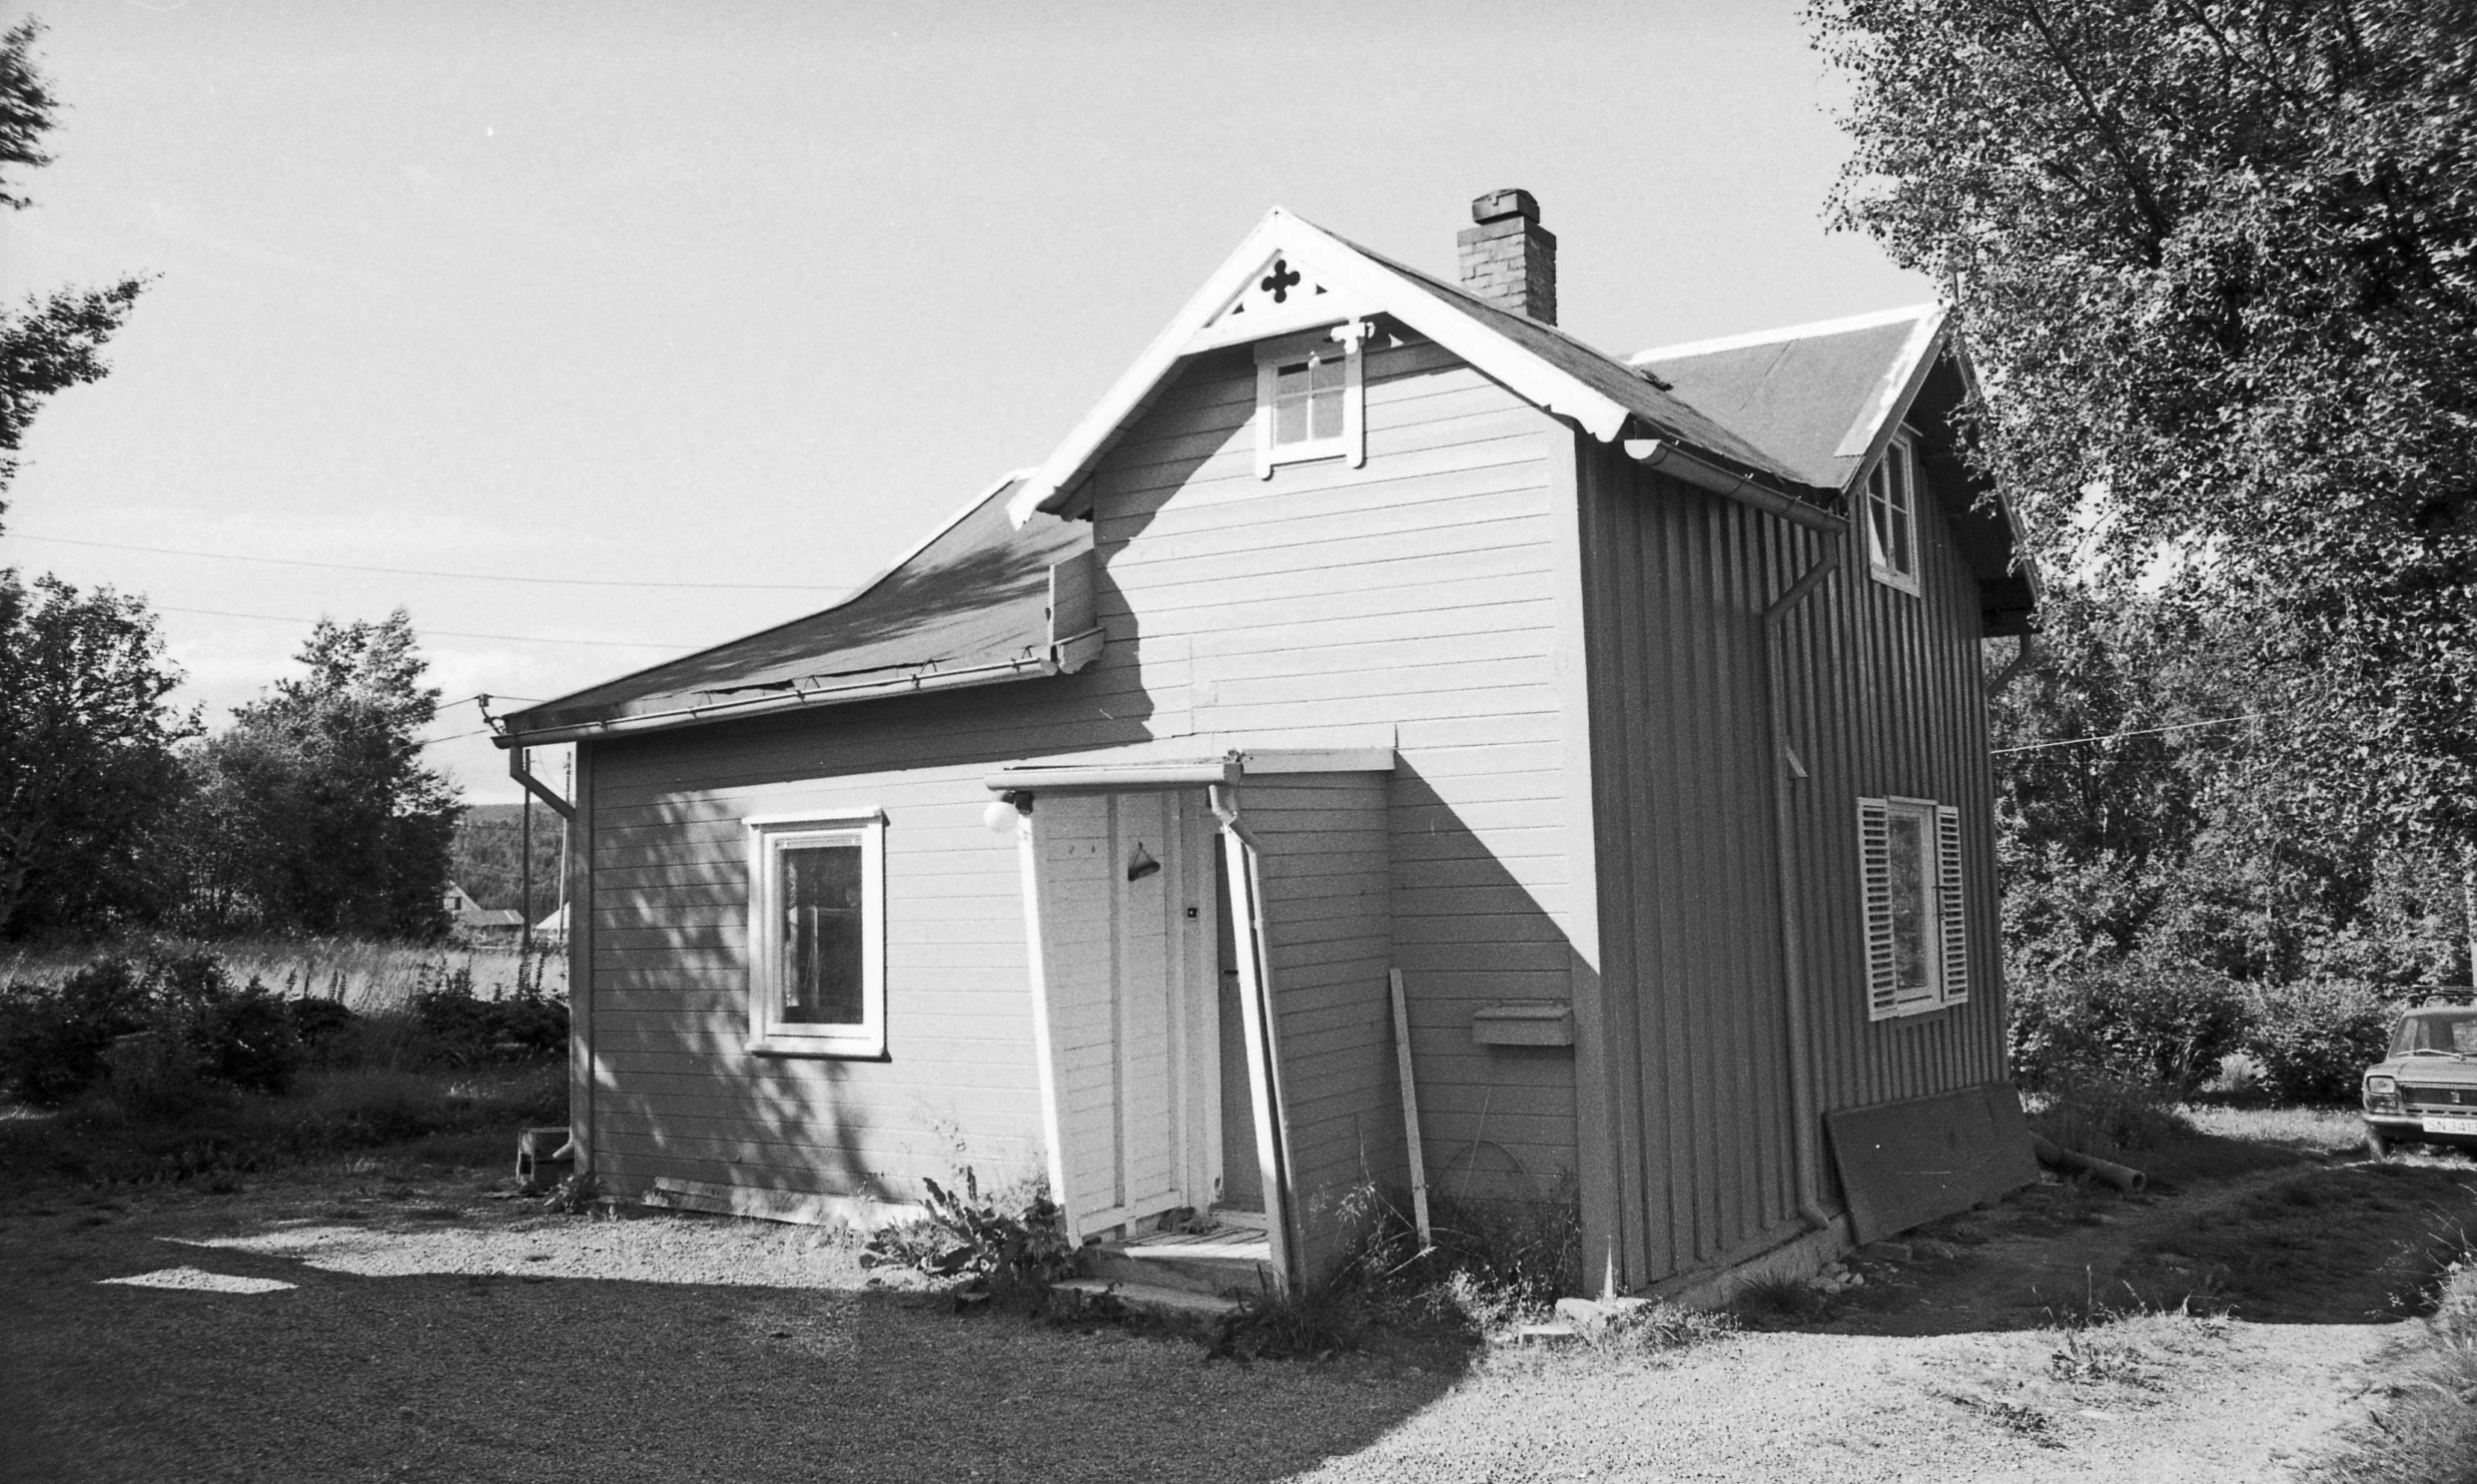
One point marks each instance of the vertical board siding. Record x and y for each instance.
(1417, 592)
(1883, 695)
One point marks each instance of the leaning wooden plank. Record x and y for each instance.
(1410, 1110)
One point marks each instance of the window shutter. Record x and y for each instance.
(1951, 905)
(1875, 896)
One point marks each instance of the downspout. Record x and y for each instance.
(1255, 999)
(1785, 767)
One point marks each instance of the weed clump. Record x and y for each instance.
(1006, 1250)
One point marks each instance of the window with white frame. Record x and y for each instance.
(817, 934)
(1917, 927)
(1891, 515)
(1310, 398)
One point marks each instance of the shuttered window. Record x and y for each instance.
(1910, 891)
(816, 935)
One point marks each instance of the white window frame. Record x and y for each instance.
(1899, 457)
(1948, 916)
(768, 837)
(1347, 341)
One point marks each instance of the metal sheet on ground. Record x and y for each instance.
(1903, 1163)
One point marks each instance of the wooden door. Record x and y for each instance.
(1126, 1004)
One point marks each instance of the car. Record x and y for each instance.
(2424, 1090)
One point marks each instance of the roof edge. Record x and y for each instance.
(910, 683)
(508, 723)
(1812, 330)
(1348, 267)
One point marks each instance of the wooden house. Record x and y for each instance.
(469, 919)
(1630, 708)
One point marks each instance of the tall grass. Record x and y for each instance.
(365, 974)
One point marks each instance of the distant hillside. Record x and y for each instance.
(486, 856)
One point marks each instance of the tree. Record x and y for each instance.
(2218, 263)
(314, 810)
(53, 341)
(87, 768)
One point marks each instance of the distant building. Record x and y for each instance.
(470, 918)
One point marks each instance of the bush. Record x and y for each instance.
(56, 1044)
(470, 1028)
(1010, 1250)
(2313, 1039)
(53, 1039)
(318, 1022)
(2109, 1119)
(2129, 1023)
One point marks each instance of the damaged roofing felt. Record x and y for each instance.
(1644, 396)
(1799, 395)
(976, 597)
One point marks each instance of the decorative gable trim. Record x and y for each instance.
(1280, 300)
(1339, 269)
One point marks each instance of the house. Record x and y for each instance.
(469, 919)
(1630, 708)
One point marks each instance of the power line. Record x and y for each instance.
(2183, 726)
(345, 566)
(449, 633)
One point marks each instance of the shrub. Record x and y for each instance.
(1010, 1250)
(470, 1028)
(2313, 1039)
(2130, 1023)
(318, 1022)
(53, 1039)
(56, 1043)
(2106, 1119)
(1306, 1323)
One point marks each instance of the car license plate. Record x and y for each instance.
(2451, 1126)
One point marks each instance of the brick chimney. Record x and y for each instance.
(1510, 260)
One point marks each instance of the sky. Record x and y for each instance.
(661, 323)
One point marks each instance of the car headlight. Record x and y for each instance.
(2382, 1087)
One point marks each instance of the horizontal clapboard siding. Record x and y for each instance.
(1419, 592)
(679, 1095)
(1327, 914)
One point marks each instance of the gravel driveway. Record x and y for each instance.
(403, 1327)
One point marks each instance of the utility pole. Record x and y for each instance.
(524, 883)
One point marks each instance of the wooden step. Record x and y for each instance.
(1220, 1278)
(1152, 1298)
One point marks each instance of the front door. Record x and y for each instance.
(1127, 919)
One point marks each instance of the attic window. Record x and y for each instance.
(1310, 398)
(1892, 516)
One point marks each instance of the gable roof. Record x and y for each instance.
(1821, 398)
(1539, 363)
(1799, 412)
(969, 606)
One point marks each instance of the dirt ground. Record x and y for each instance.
(408, 1326)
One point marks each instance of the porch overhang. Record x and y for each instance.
(1198, 762)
